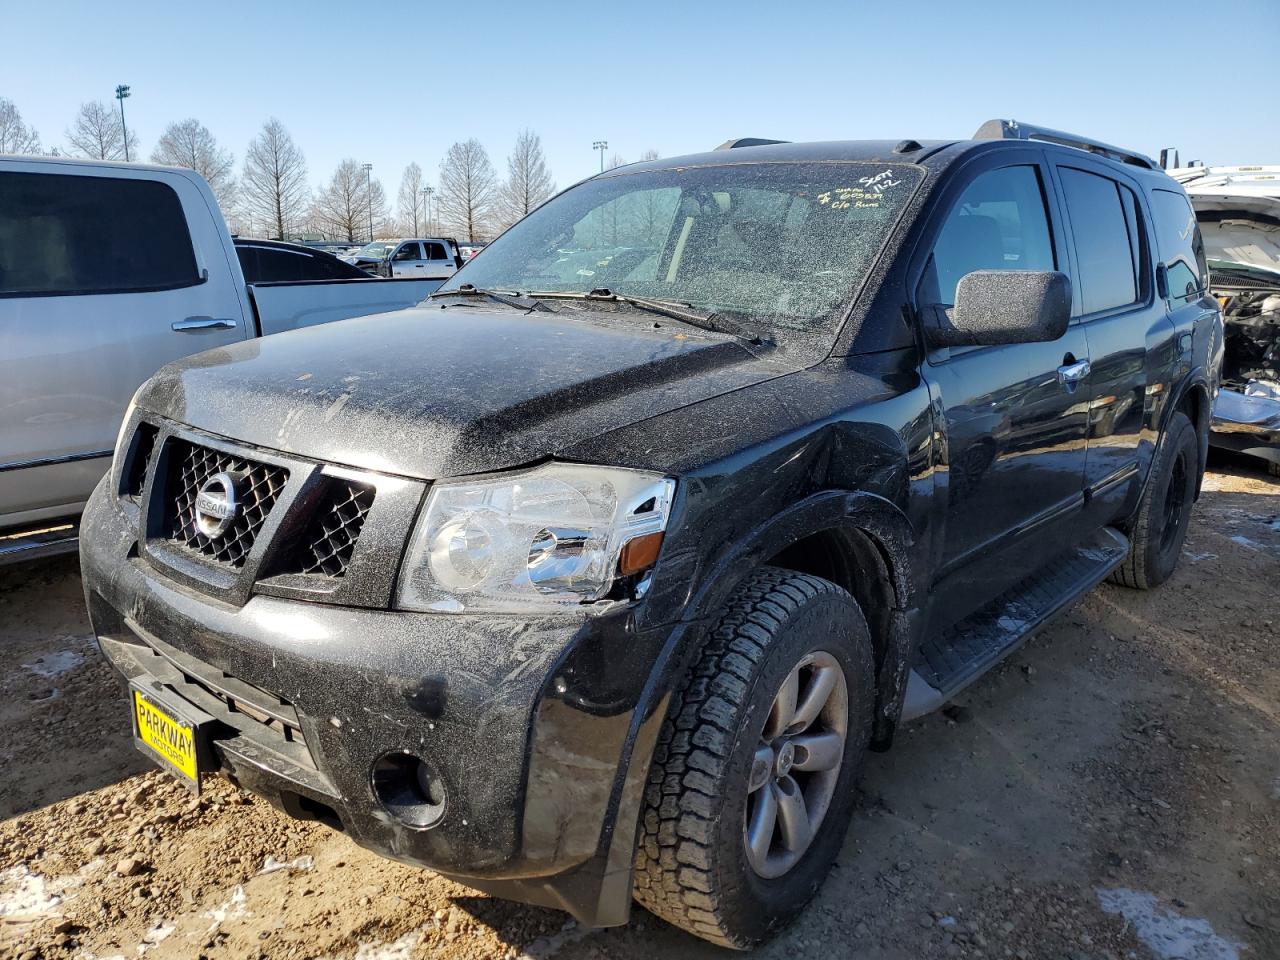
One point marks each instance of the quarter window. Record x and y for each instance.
(63, 235)
(1105, 239)
(1181, 246)
(999, 223)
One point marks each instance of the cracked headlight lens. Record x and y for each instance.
(558, 534)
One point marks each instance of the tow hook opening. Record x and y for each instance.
(408, 789)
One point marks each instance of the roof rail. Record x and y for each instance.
(1013, 130)
(747, 142)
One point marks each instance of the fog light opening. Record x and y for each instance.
(409, 790)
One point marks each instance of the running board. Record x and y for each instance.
(948, 663)
(49, 540)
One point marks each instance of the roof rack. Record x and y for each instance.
(1013, 130)
(747, 142)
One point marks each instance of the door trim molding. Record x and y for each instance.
(54, 461)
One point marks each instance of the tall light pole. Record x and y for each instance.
(122, 91)
(368, 194)
(426, 208)
(602, 146)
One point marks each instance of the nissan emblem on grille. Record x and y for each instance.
(216, 505)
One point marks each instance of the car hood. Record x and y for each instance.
(436, 393)
(1238, 227)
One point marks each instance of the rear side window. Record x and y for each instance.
(1181, 246)
(435, 251)
(64, 235)
(1106, 240)
(999, 223)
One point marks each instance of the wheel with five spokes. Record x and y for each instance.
(751, 787)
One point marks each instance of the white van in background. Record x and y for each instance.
(432, 258)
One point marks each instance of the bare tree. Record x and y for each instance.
(273, 186)
(467, 185)
(528, 183)
(189, 144)
(650, 154)
(16, 136)
(347, 204)
(96, 133)
(617, 160)
(410, 199)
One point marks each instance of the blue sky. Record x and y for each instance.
(395, 82)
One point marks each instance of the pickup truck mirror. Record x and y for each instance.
(1003, 306)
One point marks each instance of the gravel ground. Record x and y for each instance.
(1112, 791)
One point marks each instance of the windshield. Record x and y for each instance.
(373, 251)
(785, 244)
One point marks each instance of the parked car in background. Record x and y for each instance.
(584, 587)
(435, 258)
(272, 261)
(1238, 210)
(469, 250)
(107, 272)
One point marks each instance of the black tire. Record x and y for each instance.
(1165, 510)
(692, 867)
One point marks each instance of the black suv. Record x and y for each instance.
(596, 574)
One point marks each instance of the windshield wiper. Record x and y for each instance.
(677, 310)
(513, 298)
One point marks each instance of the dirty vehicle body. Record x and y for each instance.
(1238, 209)
(108, 271)
(581, 593)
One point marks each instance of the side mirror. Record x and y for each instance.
(1003, 306)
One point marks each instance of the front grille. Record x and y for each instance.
(335, 527)
(141, 449)
(258, 485)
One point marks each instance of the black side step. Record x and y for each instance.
(949, 662)
(49, 540)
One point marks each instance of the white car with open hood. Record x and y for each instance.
(1238, 209)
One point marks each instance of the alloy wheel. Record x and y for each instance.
(796, 764)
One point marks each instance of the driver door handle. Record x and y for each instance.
(203, 323)
(1072, 373)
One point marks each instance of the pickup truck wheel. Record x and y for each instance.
(751, 788)
(1165, 510)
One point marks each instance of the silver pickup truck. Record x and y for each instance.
(108, 271)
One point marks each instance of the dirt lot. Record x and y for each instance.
(1112, 791)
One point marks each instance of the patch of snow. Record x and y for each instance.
(159, 932)
(1247, 543)
(1166, 933)
(399, 950)
(271, 864)
(546, 947)
(24, 892)
(54, 664)
(233, 909)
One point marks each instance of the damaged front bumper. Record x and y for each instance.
(1247, 423)
(530, 725)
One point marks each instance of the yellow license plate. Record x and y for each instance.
(171, 739)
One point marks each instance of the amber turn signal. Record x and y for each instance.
(639, 554)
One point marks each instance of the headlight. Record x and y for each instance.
(558, 534)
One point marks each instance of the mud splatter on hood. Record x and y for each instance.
(433, 393)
